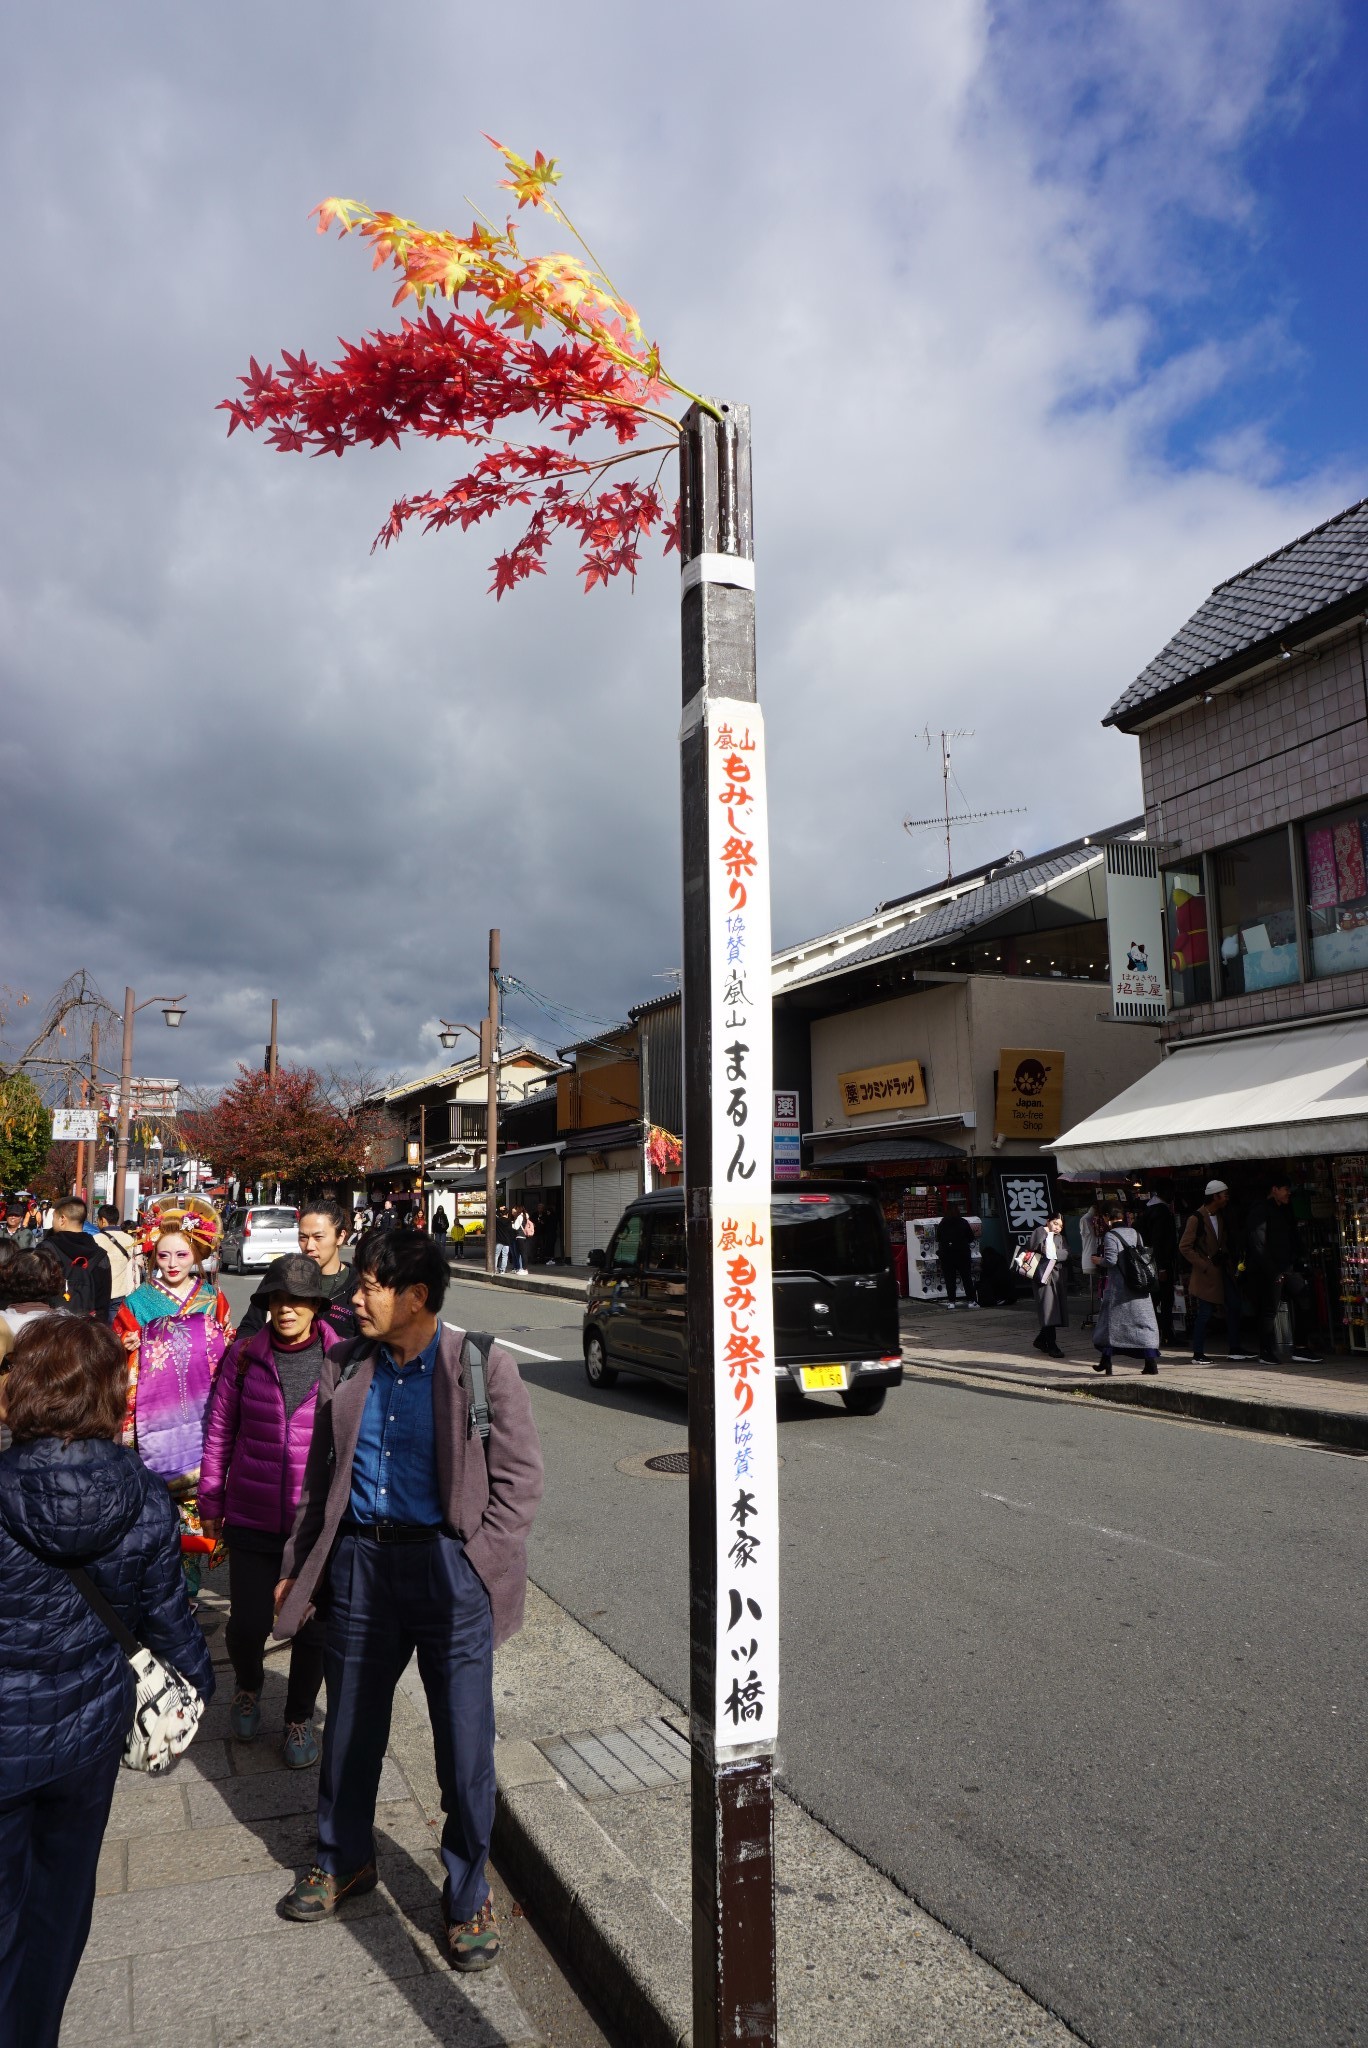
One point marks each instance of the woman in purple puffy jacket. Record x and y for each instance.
(256, 1441)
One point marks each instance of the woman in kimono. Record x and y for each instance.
(175, 1328)
(1051, 1285)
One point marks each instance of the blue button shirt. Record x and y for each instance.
(394, 1471)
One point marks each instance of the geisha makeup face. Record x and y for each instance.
(174, 1258)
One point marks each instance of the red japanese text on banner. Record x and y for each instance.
(747, 1705)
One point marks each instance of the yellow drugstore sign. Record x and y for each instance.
(901, 1086)
(1030, 1094)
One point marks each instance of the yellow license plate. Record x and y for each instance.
(816, 1377)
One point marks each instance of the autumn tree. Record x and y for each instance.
(288, 1130)
(25, 1131)
(547, 338)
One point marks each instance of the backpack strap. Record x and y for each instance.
(475, 1359)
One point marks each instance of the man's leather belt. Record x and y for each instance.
(394, 1532)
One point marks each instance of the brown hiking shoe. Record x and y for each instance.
(318, 1894)
(474, 1944)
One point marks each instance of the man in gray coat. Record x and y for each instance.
(411, 1536)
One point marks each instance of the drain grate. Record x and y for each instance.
(669, 1461)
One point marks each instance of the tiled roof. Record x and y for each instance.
(964, 913)
(1302, 586)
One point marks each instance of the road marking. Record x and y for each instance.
(1027, 1507)
(551, 1357)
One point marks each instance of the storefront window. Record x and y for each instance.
(1337, 890)
(1257, 923)
(1189, 948)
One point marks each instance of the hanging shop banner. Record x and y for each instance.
(788, 1136)
(1030, 1094)
(1135, 930)
(1027, 1199)
(899, 1086)
(81, 1124)
(746, 1446)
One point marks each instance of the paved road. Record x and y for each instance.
(1090, 1686)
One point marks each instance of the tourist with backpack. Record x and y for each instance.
(1125, 1318)
(86, 1273)
(256, 1443)
(121, 1250)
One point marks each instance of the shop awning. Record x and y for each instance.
(885, 1151)
(506, 1167)
(1271, 1095)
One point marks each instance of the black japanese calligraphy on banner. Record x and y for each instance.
(746, 1449)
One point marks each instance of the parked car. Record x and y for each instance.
(835, 1297)
(256, 1234)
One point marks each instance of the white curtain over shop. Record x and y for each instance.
(1272, 1095)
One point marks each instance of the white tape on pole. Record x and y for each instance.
(733, 570)
(746, 1446)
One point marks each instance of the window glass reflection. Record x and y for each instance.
(1258, 925)
(1337, 890)
(1189, 947)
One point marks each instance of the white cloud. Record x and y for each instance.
(931, 248)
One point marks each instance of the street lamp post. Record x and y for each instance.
(173, 1010)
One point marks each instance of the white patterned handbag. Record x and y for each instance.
(168, 1708)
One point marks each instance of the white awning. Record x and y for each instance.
(1273, 1095)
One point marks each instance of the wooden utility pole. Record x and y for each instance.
(422, 1160)
(125, 1105)
(95, 1101)
(489, 1048)
(728, 1120)
(273, 1055)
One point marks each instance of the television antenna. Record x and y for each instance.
(946, 820)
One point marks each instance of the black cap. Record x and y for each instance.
(295, 1275)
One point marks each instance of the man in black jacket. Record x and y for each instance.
(1272, 1258)
(85, 1262)
(954, 1242)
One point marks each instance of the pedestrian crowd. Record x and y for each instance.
(368, 1474)
(1134, 1257)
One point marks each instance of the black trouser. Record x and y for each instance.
(254, 1575)
(958, 1266)
(49, 1846)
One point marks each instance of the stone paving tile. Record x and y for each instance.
(100, 2007)
(162, 1921)
(308, 1967)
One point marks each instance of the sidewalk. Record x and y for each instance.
(593, 1833)
(1326, 1403)
(186, 1949)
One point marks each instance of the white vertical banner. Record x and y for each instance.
(1135, 930)
(746, 1448)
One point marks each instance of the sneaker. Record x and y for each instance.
(1240, 1357)
(952, 1304)
(474, 1944)
(244, 1716)
(300, 1749)
(971, 1304)
(318, 1894)
(1305, 1357)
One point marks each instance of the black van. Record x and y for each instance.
(835, 1297)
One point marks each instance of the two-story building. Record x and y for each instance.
(438, 1128)
(1253, 732)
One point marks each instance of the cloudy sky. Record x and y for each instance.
(1050, 314)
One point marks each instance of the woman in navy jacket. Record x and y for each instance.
(70, 1494)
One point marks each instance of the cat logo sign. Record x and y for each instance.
(1030, 1095)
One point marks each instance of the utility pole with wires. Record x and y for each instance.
(946, 820)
